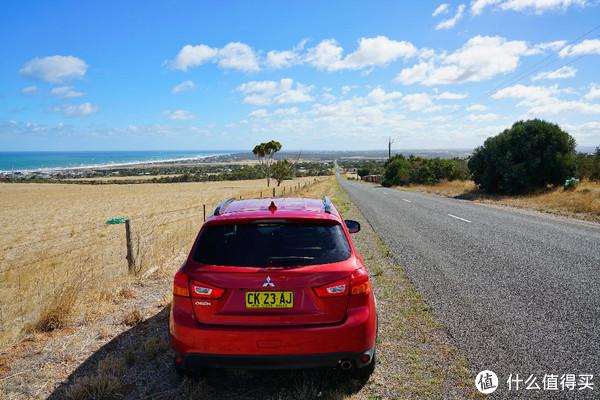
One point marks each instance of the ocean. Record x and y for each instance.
(27, 161)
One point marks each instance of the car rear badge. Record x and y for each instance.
(268, 282)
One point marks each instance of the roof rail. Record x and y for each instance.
(327, 205)
(222, 205)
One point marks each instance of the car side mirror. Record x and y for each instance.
(353, 226)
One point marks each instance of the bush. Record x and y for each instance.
(530, 155)
(402, 171)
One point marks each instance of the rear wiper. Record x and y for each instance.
(288, 259)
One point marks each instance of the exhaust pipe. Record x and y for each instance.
(346, 365)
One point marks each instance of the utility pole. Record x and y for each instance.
(390, 148)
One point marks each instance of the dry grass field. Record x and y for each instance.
(61, 265)
(582, 202)
(114, 339)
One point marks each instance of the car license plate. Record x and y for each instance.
(282, 299)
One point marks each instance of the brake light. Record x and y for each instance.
(359, 282)
(205, 291)
(334, 289)
(181, 285)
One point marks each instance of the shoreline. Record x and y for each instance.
(133, 164)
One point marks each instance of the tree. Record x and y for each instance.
(362, 172)
(281, 169)
(396, 171)
(530, 155)
(265, 153)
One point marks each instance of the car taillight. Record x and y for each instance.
(181, 285)
(205, 291)
(359, 282)
(334, 289)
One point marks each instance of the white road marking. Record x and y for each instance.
(408, 201)
(462, 219)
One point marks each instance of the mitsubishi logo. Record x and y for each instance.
(268, 282)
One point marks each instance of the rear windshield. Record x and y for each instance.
(271, 245)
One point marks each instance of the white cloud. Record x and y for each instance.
(286, 58)
(530, 93)
(193, 56)
(417, 101)
(561, 73)
(181, 115)
(414, 74)
(266, 93)
(30, 89)
(70, 110)
(54, 69)
(544, 101)
(286, 111)
(482, 117)
(346, 89)
(442, 9)
(260, 113)
(586, 134)
(379, 95)
(371, 52)
(327, 55)
(586, 47)
(476, 107)
(482, 57)
(594, 92)
(234, 55)
(451, 96)
(324, 55)
(450, 23)
(538, 6)
(238, 56)
(65, 92)
(187, 85)
(377, 51)
(280, 59)
(477, 6)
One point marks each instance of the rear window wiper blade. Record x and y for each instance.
(287, 259)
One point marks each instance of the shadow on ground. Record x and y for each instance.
(138, 364)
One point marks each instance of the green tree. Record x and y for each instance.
(265, 153)
(281, 169)
(396, 171)
(530, 155)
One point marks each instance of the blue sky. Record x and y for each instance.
(313, 75)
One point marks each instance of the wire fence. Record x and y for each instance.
(83, 269)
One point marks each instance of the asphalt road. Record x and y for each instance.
(518, 291)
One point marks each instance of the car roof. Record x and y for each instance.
(275, 208)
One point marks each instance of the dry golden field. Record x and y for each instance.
(62, 265)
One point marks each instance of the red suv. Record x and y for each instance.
(274, 283)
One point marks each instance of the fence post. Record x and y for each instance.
(273, 192)
(130, 260)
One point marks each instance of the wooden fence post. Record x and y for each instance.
(130, 260)
(273, 192)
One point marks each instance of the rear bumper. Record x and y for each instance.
(194, 361)
(198, 345)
